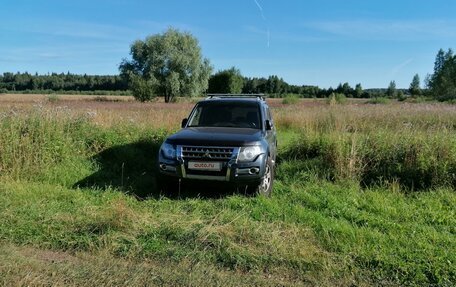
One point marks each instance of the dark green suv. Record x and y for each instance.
(226, 138)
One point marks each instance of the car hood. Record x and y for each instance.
(216, 136)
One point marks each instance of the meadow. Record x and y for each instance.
(364, 196)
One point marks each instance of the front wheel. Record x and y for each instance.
(264, 187)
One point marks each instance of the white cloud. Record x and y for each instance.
(260, 8)
(94, 31)
(399, 67)
(387, 29)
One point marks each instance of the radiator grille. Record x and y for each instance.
(207, 153)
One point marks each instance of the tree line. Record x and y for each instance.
(220, 82)
(232, 81)
(20, 82)
(225, 81)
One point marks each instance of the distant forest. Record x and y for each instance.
(61, 83)
(117, 85)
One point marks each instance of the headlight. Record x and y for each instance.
(249, 153)
(168, 150)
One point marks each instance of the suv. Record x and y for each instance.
(226, 138)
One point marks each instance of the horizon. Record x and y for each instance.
(303, 43)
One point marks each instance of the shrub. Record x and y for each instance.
(379, 101)
(417, 100)
(336, 98)
(105, 99)
(290, 99)
(53, 98)
(401, 96)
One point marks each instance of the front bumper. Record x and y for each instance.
(232, 170)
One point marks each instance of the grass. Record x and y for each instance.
(414, 160)
(31, 266)
(79, 205)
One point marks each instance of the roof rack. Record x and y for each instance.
(258, 96)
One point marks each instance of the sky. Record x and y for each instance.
(306, 42)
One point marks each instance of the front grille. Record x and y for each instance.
(207, 153)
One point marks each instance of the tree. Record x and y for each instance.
(168, 64)
(250, 86)
(345, 89)
(227, 81)
(391, 92)
(439, 61)
(359, 91)
(442, 84)
(415, 89)
(274, 85)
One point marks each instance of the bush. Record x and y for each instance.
(53, 98)
(379, 101)
(105, 99)
(290, 99)
(417, 100)
(401, 96)
(336, 98)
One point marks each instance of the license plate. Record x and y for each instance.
(200, 165)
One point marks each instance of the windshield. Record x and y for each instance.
(223, 114)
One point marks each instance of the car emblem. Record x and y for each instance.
(207, 154)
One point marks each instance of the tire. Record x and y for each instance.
(264, 187)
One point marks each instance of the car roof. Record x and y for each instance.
(235, 98)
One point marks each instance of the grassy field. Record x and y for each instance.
(364, 195)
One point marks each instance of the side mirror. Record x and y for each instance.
(268, 125)
(184, 123)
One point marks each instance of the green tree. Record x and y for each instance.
(345, 89)
(439, 61)
(226, 81)
(415, 89)
(168, 64)
(442, 84)
(358, 91)
(250, 86)
(391, 92)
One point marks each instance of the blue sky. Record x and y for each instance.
(322, 42)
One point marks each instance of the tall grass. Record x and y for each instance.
(31, 145)
(57, 146)
(414, 160)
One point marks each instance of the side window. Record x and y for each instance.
(195, 120)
